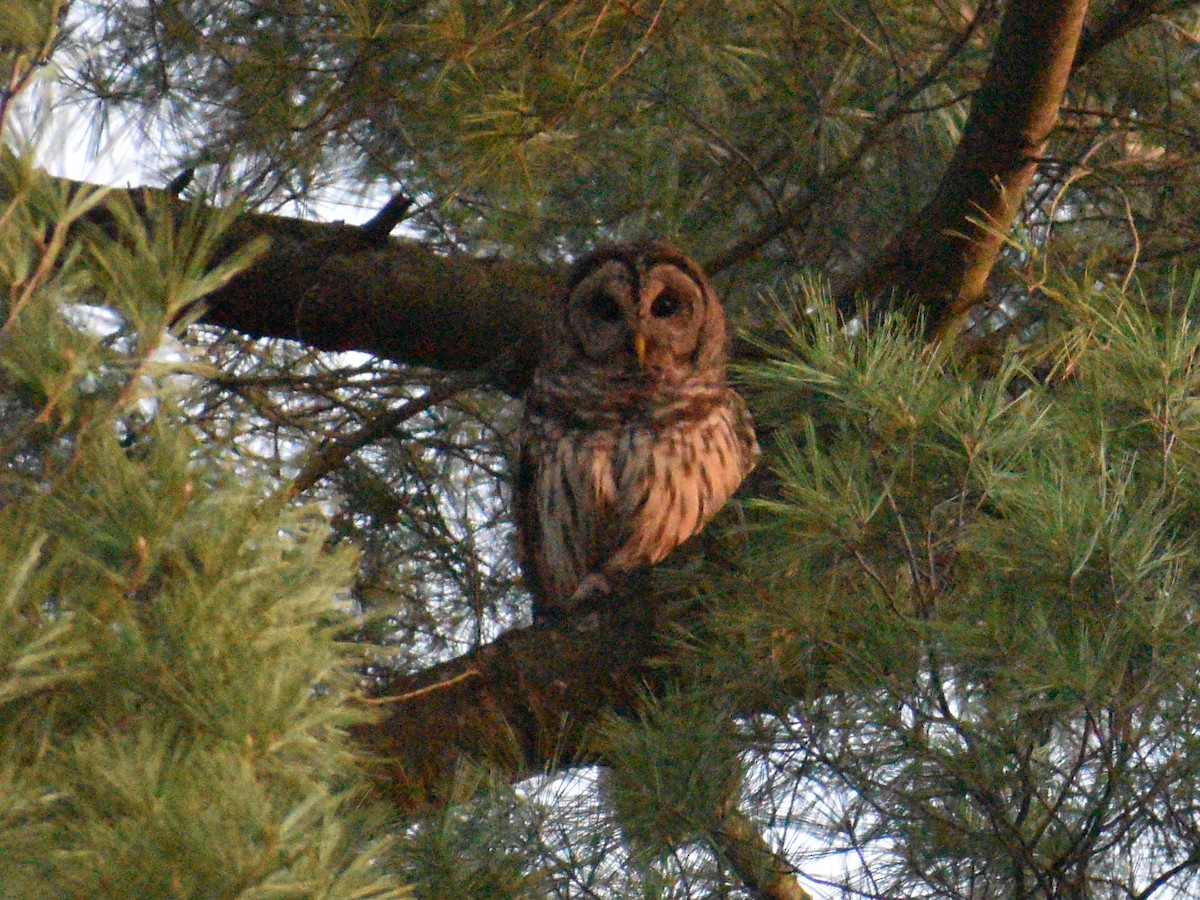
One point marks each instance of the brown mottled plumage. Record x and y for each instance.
(632, 439)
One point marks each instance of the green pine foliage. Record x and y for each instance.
(984, 585)
(530, 124)
(483, 843)
(173, 702)
(670, 774)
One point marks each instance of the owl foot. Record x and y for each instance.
(586, 601)
(581, 609)
(590, 591)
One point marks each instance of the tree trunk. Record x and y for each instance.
(939, 264)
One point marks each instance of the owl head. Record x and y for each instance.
(644, 311)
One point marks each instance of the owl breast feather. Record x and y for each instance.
(671, 482)
(613, 501)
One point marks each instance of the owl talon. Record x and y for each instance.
(589, 594)
(591, 590)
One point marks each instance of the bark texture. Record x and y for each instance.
(337, 287)
(525, 704)
(529, 703)
(940, 262)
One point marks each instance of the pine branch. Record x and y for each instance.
(380, 227)
(1118, 20)
(801, 208)
(331, 456)
(344, 287)
(765, 873)
(179, 183)
(340, 287)
(523, 704)
(939, 262)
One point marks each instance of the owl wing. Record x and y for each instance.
(564, 507)
(529, 531)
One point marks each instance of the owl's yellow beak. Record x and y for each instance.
(639, 348)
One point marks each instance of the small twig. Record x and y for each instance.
(179, 183)
(1137, 243)
(428, 689)
(376, 230)
(330, 457)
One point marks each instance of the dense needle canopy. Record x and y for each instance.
(256, 460)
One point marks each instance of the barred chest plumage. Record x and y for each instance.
(612, 500)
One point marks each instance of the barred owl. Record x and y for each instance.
(632, 439)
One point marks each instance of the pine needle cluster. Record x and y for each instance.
(173, 702)
(968, 614)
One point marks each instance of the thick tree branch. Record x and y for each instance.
(800, 209)
(338, 287)
(526, 704)
(1120, 19)
(523, 704)
(940, 262)
(341, 287)
(764, 872)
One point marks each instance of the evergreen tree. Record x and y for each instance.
(946, 644)
(175, 703)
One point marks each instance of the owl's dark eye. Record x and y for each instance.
(603, 306)
(665, 305)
